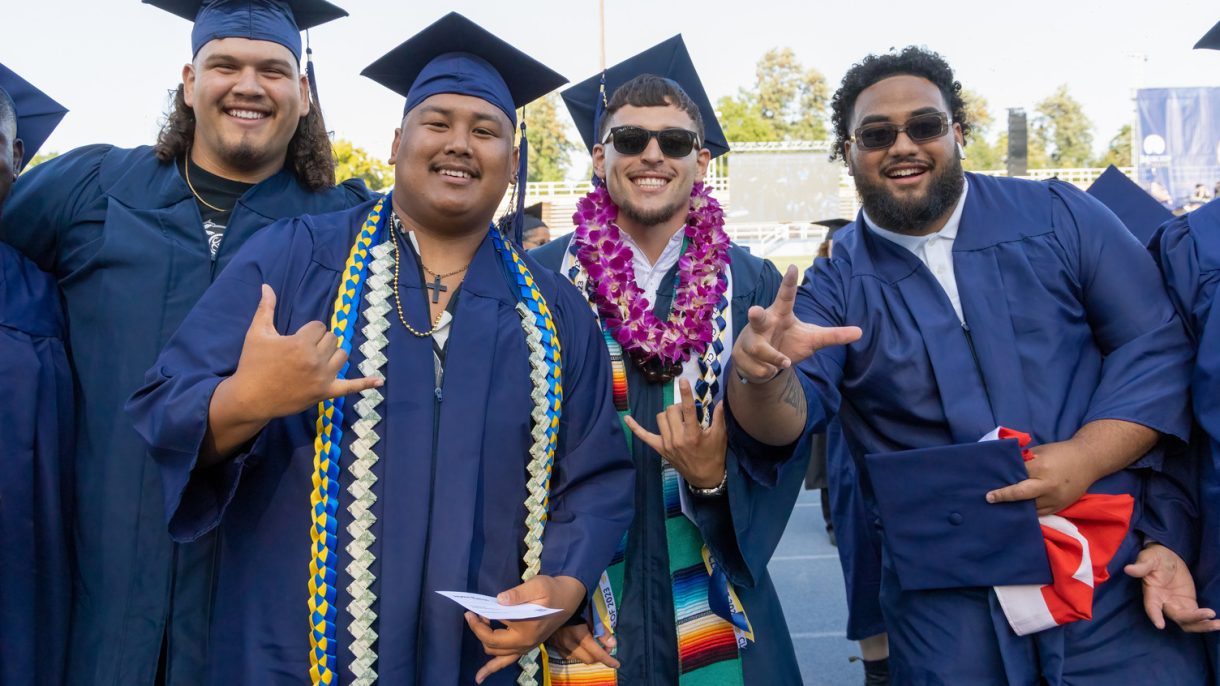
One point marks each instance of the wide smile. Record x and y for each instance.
(246, 116)
(456, 175)
(651, 183)
(906, 174)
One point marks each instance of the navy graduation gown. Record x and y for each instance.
(450, 479)
(859, 541)
(741, 529)
(1187, 249)
(121, 233)
(1067, 324)
(35, 475)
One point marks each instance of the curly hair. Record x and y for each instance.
(911, 61)
(309, 153)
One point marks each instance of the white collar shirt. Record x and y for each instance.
(934, 250)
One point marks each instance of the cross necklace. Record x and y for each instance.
(436, 286)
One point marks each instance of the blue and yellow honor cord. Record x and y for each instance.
(546, 370)
(324, 499)
(542, 339)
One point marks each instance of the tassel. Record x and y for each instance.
(522, 174)
(599, 113)
(309, 72)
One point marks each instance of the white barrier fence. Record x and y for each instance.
(559, 200)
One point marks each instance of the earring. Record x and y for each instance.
(961, 152)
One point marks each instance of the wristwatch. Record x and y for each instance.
(712, 492)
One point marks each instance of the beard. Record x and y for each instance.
(645, 217)
(652, 217)
(242, 155)
(913, 216)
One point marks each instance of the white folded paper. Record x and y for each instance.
(490, 608)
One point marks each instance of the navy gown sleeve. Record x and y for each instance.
(171, 410)
(356, 192)
(743, 527)
(36, 475)
(51, 199)
(1190, 274)
(1147, 355)
(819, 300)
(593, 482)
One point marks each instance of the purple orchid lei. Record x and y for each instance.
(625, 311)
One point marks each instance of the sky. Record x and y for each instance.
(111, 62)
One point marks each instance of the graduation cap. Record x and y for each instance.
(533, 217)
(938, 527)
(456, 55)
(669, 59)
(1138, 210)
(833, 225)
(1210, 40)
(278, 21)
(37, 114)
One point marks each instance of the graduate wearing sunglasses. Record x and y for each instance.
(983, 302)
(687, 599)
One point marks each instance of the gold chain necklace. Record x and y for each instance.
(396, 230)
(186, 171)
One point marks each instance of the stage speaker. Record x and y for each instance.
(1018, 142)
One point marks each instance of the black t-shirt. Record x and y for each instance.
(218, 192)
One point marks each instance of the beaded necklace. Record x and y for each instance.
(545, 361)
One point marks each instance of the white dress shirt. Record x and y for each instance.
(934, 250)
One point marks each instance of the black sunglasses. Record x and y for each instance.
(920, 129)
(631, 140)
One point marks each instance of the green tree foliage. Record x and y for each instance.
(742, 119)
(547, 124)
(982, 153)
(1118, 152)
(1062, 131)
(39, 159)
(352, 162)
(788, 102)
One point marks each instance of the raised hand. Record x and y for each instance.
(276, 376)
(279, 376)
(697, 453)
(518, 638)
(775, 339)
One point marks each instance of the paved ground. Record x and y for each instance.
(807, 575)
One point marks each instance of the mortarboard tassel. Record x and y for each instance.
(309, 72)
(522, 174)
(598, 113)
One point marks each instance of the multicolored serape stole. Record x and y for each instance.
(546, 368)
(324, 500)
(711, 623)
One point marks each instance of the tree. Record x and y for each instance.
(1062, 130)
(352, 162)
(742, 119)
(1118, 153)
(788, 102)
(547, 124)
(39, 159)
(981, 153)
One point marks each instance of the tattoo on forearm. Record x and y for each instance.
(794, 395)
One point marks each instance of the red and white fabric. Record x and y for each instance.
(1081, 539)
